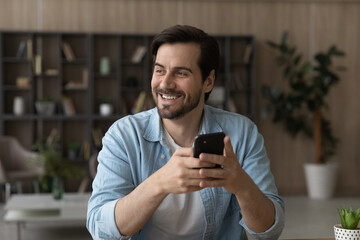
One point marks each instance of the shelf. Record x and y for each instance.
(15, 88)
(75, 61)
(16, 60)
(111, 75)
(126, 79)
(240, 64)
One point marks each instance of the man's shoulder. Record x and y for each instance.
(137, 121)
(226, 116)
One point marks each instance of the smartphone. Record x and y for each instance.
(209, 143)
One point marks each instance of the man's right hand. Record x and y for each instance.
(181, 173)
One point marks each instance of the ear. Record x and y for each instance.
(210, 81)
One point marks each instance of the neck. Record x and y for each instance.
(185, 129)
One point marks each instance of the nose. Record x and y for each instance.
(167, 81)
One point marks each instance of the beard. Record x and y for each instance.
(168, 111)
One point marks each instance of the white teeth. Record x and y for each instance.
(168, 97)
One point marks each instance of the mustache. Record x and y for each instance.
(170, 92)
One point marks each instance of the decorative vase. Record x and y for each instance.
(348, 234)
(321, 179)
(57, 188)
(19, 106)
(45, 108)
(104, 66)
(106, 109)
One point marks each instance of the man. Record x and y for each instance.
(149, 185)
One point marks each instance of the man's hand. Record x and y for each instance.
(258, 211)
(181, 173)
(228, 176)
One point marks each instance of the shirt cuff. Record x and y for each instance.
(275, 230)
(106, 223)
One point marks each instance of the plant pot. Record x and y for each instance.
(106, 109)
(45, 108)
(348, 234)
(19, 106)
(321, 179)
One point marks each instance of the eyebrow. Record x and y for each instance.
(175, 68)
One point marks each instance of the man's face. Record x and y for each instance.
(176, 83)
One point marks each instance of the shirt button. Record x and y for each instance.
(162, 156)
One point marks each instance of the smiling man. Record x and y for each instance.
(149, 185)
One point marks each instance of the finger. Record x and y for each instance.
(228, 149)
(212, 183)
(211, 159)
(192, 174)
(184, 152)
(212, 173)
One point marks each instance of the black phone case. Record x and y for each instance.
(209, 143)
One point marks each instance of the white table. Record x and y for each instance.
(30, 208)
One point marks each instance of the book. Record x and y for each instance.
(97, 136)
(38, 64)
(77, 84)
(21, 50)
(236, 82)
(23, 82)
(69, 107)
(139, 103)
(29, 49)
(247, 53)
(68, 51)
(51, 72)
(86, 150)
(139, 53)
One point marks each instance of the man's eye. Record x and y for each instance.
(159, 71)
(181, 74)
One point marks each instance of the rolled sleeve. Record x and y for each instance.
(112, 182)
(275, 230)
(104, 226)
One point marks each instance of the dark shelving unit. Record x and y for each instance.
(125, 81)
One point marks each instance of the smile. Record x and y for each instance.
(168, 97)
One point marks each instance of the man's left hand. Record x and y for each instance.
(229, 175)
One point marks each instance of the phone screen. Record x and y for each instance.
(209, 143)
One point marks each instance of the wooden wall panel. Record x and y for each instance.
(18, 14)
(109, 16)
(341, 23)
(313, 25)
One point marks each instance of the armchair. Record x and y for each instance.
(17, 165)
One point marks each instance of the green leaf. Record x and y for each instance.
(284, 38)
(272, 44)
(265, 111)
(305, 68)
(297, 59)
(265, 91)
(349, 219)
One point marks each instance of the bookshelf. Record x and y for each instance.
(68, 69)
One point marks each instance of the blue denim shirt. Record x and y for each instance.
(134, 148)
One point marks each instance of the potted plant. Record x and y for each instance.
(348, 229)
(45, 106)
(301, 104)
(73, 150)
(56, 169)
(106, 107)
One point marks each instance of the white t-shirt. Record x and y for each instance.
(179, 216)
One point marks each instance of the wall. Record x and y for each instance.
(313, 26)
